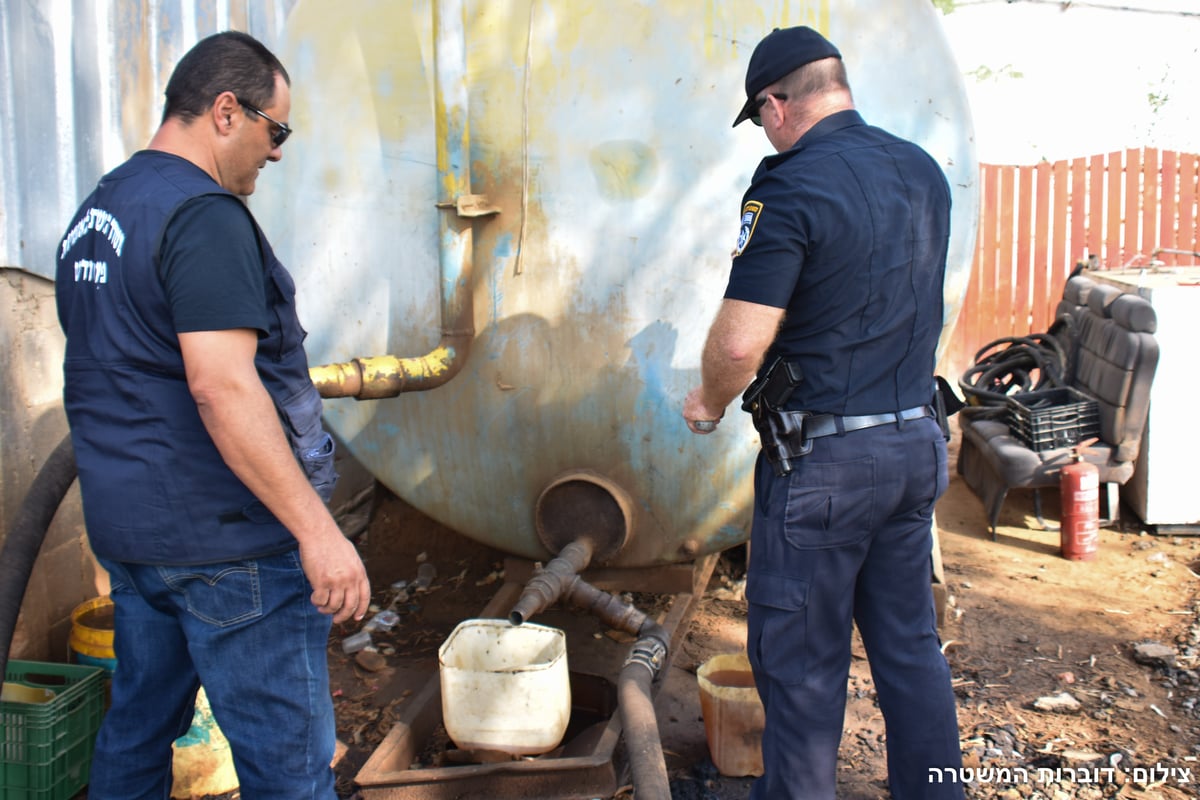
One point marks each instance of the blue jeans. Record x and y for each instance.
(247, 631)
(846, 538)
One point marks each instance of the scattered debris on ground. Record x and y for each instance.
(1076, 680)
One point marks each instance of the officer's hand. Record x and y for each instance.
(337, 575)
(700, 418)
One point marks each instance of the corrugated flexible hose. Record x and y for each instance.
(25, 538)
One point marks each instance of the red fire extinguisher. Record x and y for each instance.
(1079, 493)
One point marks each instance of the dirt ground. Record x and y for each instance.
(1054, 700)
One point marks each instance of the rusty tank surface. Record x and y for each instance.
(510, 225)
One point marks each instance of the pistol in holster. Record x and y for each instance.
(781, 432)
(945, 404)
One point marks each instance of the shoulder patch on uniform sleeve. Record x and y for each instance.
(750, 213)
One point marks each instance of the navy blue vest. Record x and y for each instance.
(155, 489)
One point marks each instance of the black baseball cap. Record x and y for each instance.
(782, 51)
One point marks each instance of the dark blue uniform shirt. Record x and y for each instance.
(848, 232)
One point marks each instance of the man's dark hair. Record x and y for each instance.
(224, 62)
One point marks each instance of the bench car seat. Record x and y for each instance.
(1113, 356)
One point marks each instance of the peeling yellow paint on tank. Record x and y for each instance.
(444, 124)
(624, 170)
(814, 15)
(331, 179)
(722, 17)
(433, 364)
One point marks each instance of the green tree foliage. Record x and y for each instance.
(985, 73)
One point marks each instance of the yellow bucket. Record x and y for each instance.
(91, 638)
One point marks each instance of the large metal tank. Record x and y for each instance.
(600, 132)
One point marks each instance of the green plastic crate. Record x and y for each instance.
(46, 748)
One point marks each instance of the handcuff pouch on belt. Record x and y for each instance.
(780, 432)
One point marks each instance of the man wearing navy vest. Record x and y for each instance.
(203, 465)
(833, 308)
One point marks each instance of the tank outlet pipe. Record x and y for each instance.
(582, 516)
(635, 698)
(553, 581)
(609, 609)
(25, 537)
(376, 377)
(584, 504)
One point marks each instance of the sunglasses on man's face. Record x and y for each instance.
(757, 117)
(282, 131)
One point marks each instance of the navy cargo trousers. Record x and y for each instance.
(846, 539)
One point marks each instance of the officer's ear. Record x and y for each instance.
(778, 106)
(224, 108)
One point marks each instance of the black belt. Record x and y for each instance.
(818, 425)
(787, 435)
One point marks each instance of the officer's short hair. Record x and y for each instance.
(223, 62)
(817, 77)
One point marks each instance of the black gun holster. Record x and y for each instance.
(945, 404)
(780, 432)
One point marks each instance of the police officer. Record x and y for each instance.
(834, 303)
(203, 465)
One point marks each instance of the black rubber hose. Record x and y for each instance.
(635, 697)
(643, 743)
(25, 538)
(996, 373)
(1037, 340)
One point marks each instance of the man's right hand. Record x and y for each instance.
(338, 577)
(700, 417)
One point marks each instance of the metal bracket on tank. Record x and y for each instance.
(471, 205)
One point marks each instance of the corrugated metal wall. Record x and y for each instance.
(81, 86)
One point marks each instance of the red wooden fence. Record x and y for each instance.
(1037, 222)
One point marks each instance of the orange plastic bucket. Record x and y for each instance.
(733, 714)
